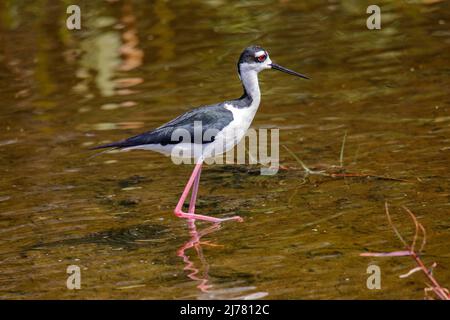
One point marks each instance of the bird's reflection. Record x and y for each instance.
(197, 273)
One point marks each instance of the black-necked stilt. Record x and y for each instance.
(226, 122)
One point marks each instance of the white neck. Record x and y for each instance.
(249, 79)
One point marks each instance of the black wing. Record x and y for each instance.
(214, 117)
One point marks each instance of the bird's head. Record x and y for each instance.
(255, 58)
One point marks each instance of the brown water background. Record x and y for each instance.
(137, 64)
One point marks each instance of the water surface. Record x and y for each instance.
(137, 64)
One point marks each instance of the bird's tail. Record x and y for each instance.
(110, 146)
(114, 145)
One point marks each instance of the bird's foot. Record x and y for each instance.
(181, 214)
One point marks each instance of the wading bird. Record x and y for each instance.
(222, 126)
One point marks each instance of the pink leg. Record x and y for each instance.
(194, 192)
(178, 209)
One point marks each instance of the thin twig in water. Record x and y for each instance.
(307, 170)
(363, 175)
(386, 208)
(441, 292)
(336, 174)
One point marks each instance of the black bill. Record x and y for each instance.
(286, 70)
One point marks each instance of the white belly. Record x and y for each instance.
(233, 133)
(180, 150)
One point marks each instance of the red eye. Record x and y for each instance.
(261, 58)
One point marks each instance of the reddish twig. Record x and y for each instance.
(441, 292)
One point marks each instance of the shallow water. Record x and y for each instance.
(135, 65)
